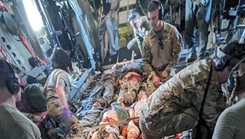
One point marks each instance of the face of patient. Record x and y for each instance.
(109, 116)
(133, 131)
(95, 136)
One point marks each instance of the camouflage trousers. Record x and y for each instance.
(108, 93)
(73, 127)
(128, 91)
(177, 123)
(150, 87)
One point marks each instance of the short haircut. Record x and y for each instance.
(60, 60)
(33, 61)
(5, 73)
(133, 15)
(152, 6)
(232, 63)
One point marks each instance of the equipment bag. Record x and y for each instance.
(34, 99)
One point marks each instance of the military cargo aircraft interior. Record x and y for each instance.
(122, 69)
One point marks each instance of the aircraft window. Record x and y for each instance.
(23, 68)
(3, 39)
(14, 54)
(19, 61)
(9, 47)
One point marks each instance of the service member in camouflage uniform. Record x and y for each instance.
(57, 86)
(140, 27)
(161, 46)
(130, 83)
(109, 82)
(14, 125)
(230, 124)
(174, 106)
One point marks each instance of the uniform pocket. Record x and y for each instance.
(53, 108)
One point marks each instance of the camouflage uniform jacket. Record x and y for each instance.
(158, 58)
(52, 81)
(54, 106)
(175, 105)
